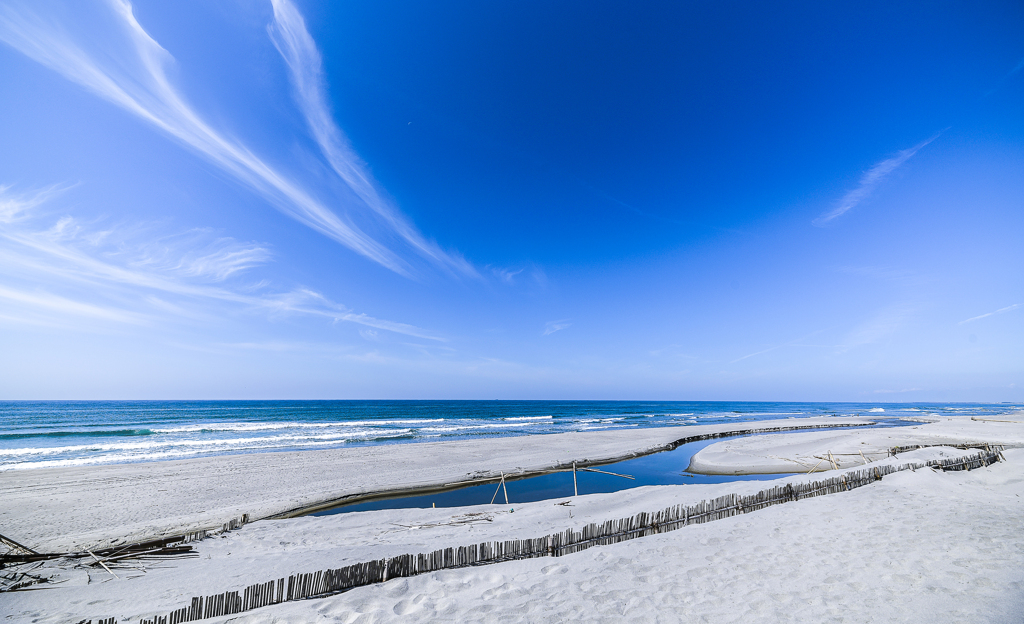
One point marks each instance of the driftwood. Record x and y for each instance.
(100, 561)
(15, 547)
(170, 546)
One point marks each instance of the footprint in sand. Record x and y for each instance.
(403, 607)
(504, 591)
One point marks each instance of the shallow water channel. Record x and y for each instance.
(662, 468)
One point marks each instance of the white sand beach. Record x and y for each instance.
(801, 452)
(66, 509)
(916, 546)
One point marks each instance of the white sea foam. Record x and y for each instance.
(528, 418)
(149, 454)
(200, 445)
(476, 426)
(211, 427)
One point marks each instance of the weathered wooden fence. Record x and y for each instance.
(231, 525)
(981, 446)
(334, 581)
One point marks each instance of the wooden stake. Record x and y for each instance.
(103, 564)
(498, 489)
(505, 489)
(614, 474)
(575, 490)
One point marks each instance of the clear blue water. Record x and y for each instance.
(36, 434)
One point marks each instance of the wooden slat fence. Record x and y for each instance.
(231, 525)
(896, 450)
(334, 581)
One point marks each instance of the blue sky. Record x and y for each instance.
(578, 200)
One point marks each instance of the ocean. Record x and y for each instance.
(43, 434)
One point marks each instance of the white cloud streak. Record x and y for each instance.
(102, 277)
(135, 77)
(40, 299)
(1016, 68)
(872, 178)
(506, 275)
(770, 349)
(17, 207)
(999, 311)
(293, 41)
(552, 326)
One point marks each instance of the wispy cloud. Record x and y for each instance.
(881, 273)
(881, 326)
(64, 268)
(529, 275)
(506, 275)
(988, 314)
(293, 41)
(552, 326)
(869, 181)
(18, 206)
(791, 343)
(122, 63)
(1006, 77)
(39, 299)
(1017, 68)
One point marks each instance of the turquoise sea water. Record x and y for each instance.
(36, 434)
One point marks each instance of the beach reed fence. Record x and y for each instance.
(334, 581)
(985, 446)
(200, 534)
